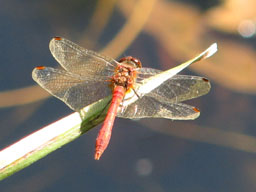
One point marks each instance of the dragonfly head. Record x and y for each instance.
(131, 61)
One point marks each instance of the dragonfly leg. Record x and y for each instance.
(136, 93)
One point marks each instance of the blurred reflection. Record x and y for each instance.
(144, 167)
(247, 28)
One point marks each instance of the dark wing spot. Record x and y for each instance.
(196, 109)
(57, 38)
(206, 80)
(40, 67)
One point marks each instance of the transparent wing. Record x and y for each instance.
(177, 89)
(78, 60)
(148, 107)
(143, 73)
(181, 88)
(76, 91)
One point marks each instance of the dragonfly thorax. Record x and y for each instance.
(124, 76)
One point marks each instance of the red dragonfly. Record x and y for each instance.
(89, 76)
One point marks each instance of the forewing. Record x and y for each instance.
(148, 107)
(181, 88)
(178, 88)
(76, 91)
(143, 73)
(78, 60)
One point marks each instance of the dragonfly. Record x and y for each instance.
(87, 76)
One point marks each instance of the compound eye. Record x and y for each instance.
(137, 62)
(131, 60)
(123, 59)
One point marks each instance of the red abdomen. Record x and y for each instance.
(106, 130)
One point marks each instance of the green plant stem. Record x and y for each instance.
(11, 161)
